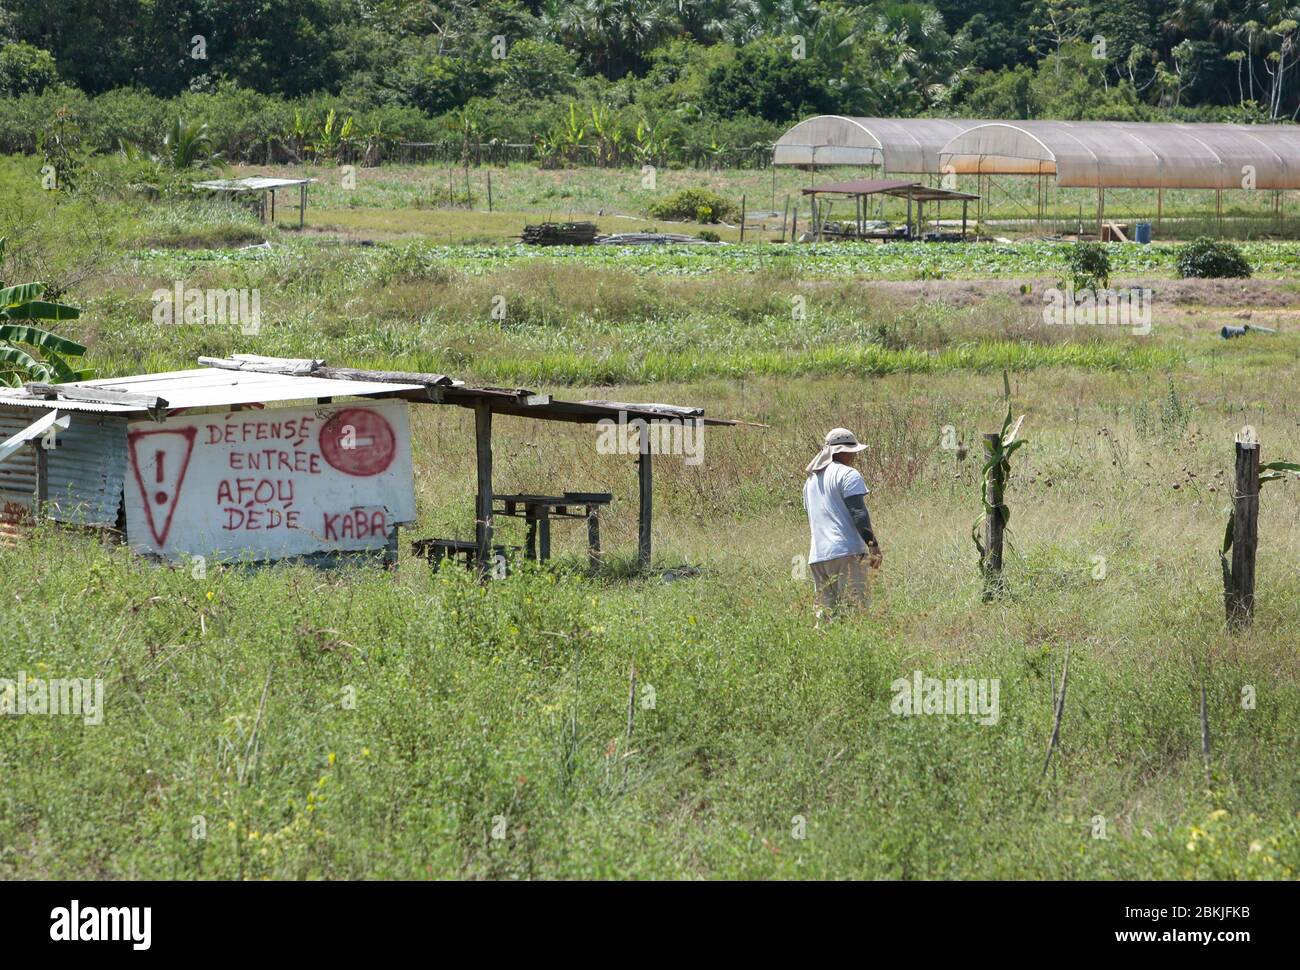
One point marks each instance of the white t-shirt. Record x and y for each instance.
(833, 532)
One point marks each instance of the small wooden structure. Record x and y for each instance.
(191, 468)
(264, 186)
(861, 189)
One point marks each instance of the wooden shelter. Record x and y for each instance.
(862, 189)
(145, 434)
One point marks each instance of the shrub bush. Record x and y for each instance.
(1206, 258)
(701, 205)
(1088, 265)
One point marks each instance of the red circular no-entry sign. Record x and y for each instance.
(358, 442)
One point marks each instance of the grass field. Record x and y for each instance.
(287, 723)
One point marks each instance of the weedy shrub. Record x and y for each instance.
(1088, 265)
(693, 204)
(1206, 258)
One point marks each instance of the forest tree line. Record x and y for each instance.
(615, 81)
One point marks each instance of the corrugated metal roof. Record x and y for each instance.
(254, 183)
(859, 187)
(208, 387)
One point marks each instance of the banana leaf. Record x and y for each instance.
(36, 337)
(40, 310)
(12, 296)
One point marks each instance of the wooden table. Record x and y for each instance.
(538, 511)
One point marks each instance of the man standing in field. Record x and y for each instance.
(843, 545)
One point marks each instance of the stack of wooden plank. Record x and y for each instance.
(560, 234)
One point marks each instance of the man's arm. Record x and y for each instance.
(857, 507)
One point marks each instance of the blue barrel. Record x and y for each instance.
(1142, 233)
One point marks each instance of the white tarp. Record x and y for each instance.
(272, 483)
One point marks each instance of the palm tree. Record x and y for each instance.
(188, 145)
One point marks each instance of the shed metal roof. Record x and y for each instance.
(201, 388)
(252, 379)
(252, 183)
(858, 187)
(917, 191)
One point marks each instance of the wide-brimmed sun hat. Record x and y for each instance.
(837, 440)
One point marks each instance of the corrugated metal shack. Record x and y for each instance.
(262, 458)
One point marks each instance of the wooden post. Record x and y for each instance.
(530, 531)
(489, 189)
(302, 204)
(543, 533)
(785, 213)
(273, 207)
(994, 525)
(964, 204)
(909, 213)
(42, 490)
(483, 498)
(1245, 536)
(645, 475)
(593, 535)
(794, 226)
(742, 217)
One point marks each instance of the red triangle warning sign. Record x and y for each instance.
(159, 460)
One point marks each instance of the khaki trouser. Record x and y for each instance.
(842, 582)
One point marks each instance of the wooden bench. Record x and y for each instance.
(436, 550)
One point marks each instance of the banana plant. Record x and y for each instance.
(327, 143)
(571, 135)
(298, 132)
(347, 134)
(18, 305)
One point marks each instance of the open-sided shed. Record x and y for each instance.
(266, 458)
(263, 186)
(861, 190)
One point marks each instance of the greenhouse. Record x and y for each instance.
(1257, 163)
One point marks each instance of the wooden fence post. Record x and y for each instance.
(742, 218)
(645, 484)
(994, 523)
(1245, 536)
(489, 189)
(483, 498)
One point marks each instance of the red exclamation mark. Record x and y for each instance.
(159, 496)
